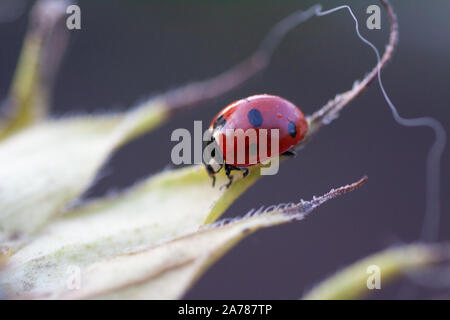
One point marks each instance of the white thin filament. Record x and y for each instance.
(430, 227)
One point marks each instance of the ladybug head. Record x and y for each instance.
(212, 155)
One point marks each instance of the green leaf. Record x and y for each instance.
(165, 206)
(351, 282)
(149, 242)
(45, 167)
(29, 97)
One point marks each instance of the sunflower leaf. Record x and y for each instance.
(352, 281)
(150, 242)
(45, 167)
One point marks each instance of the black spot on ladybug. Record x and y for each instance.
(255, 117)
(220, 122)
(292, 129)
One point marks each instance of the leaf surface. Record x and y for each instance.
(150, 242)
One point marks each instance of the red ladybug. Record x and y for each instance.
(255, 113)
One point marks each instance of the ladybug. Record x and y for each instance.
(256, 112)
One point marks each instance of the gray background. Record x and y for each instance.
(128, 50)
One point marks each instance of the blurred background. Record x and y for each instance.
(128, 50)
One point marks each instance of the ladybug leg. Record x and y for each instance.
(245, 169)
(290, 153)
(211, 173)
(228, 169)
(245, 173)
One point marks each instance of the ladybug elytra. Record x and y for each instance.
(251, 121)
